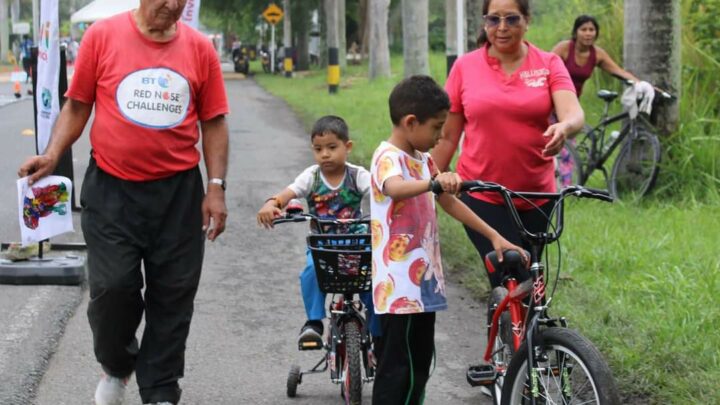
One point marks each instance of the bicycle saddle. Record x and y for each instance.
(607, 95)
(511, 263)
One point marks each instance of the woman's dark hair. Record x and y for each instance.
(581, 20)
(523, 5)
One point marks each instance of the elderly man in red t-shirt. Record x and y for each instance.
(151, 79)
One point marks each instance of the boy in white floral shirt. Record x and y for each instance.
(408, 283)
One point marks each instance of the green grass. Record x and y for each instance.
(641, 281)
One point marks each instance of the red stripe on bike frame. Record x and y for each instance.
(516, 315)
(494, 327)
(489, 265)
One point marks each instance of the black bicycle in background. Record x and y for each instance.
(636, 166)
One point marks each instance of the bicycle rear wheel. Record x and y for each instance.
(570, 371)
(637, 165)
(352, 374)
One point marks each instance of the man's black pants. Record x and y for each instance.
(407, 344)
(159, 224)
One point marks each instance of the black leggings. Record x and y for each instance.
(498, 218)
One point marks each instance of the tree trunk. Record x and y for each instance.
(415, 37)
(378, 44)
(451, 48)
(4, 30)
(287, 38)
(342, 35)
(302, 23)
(331, 23)
(652, 52)
(473, 22)
(364, 28)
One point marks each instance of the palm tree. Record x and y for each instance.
(652, 51)
(379, 46)
(415, 37)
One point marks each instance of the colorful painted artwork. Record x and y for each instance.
(44, 208)
(44, 201)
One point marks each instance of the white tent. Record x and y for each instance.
(100, 9)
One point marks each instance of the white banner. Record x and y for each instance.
(191, 14)
(48, 72)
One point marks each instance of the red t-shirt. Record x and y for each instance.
(149, 97)
(505, 118)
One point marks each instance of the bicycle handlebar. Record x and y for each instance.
(666, 95)
(508, 195)
(304, 217)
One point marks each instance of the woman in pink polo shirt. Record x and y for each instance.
(502, 96)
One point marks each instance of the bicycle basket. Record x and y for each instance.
(342, 262)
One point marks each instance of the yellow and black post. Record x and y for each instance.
(333, 77)
(288, 62)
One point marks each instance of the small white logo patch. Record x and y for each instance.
(154, 98)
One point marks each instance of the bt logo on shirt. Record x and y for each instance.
(164, 81)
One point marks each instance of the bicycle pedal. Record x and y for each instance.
(310, 345)
(483, 374)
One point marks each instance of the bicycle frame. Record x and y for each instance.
(599, 153)
(527, 321)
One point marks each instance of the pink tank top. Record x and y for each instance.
(579, 74)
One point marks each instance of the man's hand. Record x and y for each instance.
(37, 167)
(214, 213)
(557, 133)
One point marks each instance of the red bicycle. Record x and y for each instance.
(531, 357)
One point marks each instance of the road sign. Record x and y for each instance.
(273, 14)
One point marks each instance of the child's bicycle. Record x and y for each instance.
(343, 268)
(531, 357)
(636, 165)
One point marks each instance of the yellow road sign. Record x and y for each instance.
(273, 14)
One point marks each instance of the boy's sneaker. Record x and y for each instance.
(311, 336)
(110, 390)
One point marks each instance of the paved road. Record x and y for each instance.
(248, 309)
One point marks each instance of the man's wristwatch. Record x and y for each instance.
(219, 182)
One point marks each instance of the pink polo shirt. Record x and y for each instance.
(505, 118)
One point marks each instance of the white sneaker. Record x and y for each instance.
(161, 403)
(110, 390)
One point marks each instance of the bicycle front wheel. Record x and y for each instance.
(637, 165)
(352, 375)
(570, 370)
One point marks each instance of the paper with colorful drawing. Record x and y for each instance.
(44, 208)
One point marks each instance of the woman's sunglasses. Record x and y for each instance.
(512, 20)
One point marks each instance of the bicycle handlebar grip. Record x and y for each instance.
(600, 194)
(436, 187)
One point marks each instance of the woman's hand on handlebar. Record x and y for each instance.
(450, 182)
(501, 244)
(267, 214)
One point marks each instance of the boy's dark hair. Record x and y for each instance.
(581, 20)
(417, 95)
(331, 124)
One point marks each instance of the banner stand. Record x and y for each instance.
(65, 165)
(65, 263)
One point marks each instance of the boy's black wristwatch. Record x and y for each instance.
(221, 182)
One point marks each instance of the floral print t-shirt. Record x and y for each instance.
(407, 269)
